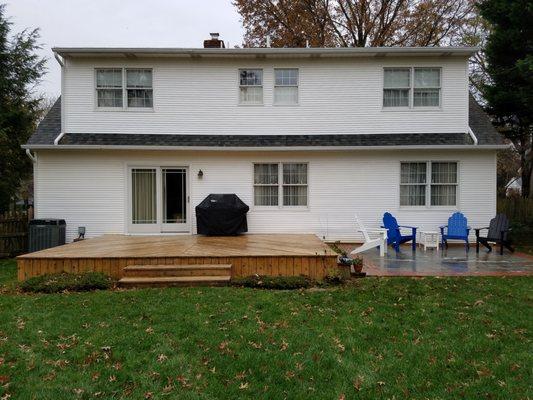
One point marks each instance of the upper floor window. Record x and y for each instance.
(286, 86)
(139, 88)
(433, 183)
(251, 86)
(411, 87)
(109, 87)
(117, 86)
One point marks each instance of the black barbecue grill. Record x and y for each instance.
(221, 215)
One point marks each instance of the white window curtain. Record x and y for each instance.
(295, 184)
(139, 88)
(109, 87)
(443, 184)
(413, 184)
(396, 87)
(143, 188)
(426, 87)
(266, 192)
(251, 86)
(286, 86)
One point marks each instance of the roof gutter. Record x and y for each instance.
(473, 136)
(262, 148)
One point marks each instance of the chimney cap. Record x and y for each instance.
(214, 35)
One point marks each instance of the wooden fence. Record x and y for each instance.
(517, 209)
(14, 233)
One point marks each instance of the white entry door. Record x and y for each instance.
(159, 199)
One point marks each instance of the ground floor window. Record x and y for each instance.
(280, 183)
(428, 183)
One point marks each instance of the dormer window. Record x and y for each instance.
(251, 86)
(411, 87)
(109, 88)
(120, 88)
(139, 88)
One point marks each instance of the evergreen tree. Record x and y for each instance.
(509, 57)
(20, 69)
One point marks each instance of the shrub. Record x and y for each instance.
(334, 277)
(55, 283)
(274, 282)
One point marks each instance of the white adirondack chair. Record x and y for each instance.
(380, 241)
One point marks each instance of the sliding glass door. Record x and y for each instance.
(159, 199)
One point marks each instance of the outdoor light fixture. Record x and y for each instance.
(200, 174)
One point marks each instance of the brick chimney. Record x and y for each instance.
(214, 42)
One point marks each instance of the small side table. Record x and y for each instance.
(429, 239)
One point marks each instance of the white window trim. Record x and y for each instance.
(428, 185)
(124, 107)
(411, 106)
(280, 187)
(297, 86)
(239, 86)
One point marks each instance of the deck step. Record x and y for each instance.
(164, 281)
(177, 270)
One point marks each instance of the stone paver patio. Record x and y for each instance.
(454, 261)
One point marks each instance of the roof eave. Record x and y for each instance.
(265, 52)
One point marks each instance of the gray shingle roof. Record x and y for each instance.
(50, 127)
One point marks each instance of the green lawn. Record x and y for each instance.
(375, 338)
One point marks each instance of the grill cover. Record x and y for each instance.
(221, 214)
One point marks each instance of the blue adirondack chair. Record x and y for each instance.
(457, 228)
(394, 234)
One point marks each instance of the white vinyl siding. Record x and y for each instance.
(436, 180)
(201, 97)
(251, 86)
(90, 188)
(286, 86)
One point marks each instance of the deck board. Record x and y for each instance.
(275, 254)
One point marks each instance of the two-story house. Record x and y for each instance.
(307, 137)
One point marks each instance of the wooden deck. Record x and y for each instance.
(248, 254)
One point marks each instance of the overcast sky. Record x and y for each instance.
(120, 23)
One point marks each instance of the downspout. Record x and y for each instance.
(62, 64)
(472, 135)
(31, 156)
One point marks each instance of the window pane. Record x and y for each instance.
(444, 172)
(295, 174)
(426, 98)
(427, 77)
(396, 78)
(443, 195)
(143, 195)
(413, 172)
(139, 78)
(295, 195)
(286, 77)
(396, 98)
(266, 195)
(251, 95)
(109, 97)
(251, 77)
(286, 95)
(412, 195)
(140, 98)
(109, 78)
(266, 174)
